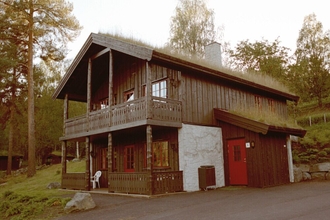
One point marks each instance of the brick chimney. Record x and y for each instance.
(213, 54)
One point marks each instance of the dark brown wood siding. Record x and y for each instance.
(200, 95)
(267, 162)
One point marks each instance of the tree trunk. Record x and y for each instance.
(31, 123)
(11, 137)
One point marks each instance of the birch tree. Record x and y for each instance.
(310, 72)
(192, 28)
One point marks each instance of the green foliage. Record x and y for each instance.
(192, 28)
(261, 57)
(309, 75)
(312, 151)
(28, 198)
(322, 153)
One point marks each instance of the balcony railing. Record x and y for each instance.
(135, 183)
(139, 183)
(133, 111)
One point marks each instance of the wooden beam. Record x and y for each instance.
(106, 50)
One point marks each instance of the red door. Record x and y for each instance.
(129, 158)
(237, 162)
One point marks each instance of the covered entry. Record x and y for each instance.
(256, 149)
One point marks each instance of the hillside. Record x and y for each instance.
(315, 146)
(29, 198)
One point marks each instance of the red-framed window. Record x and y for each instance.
(160, 154)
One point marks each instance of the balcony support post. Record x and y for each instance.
(149, 157)
(110, 98)
(64, 145)
(65, 113)
(109, 158)
(148, 93)
(89, 90)
(87, 172)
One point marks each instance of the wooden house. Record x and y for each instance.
(55, 157)
(15, 164)
(153, 119)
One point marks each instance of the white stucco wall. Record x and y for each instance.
(198, 146)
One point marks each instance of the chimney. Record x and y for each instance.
(213, 54)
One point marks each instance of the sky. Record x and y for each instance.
(149, 20)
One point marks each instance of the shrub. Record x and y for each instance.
(327, 150)
(322, 153)
(312, 151)
(322, 159)
(304, 159)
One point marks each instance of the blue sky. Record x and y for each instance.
(149, 20)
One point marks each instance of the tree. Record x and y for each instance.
(310, 72)
(192, 28)
(262, 57)
(49, 25)
(12, 71)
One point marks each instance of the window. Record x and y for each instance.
(237, 153)
(159, 89)
(129, 95)
(160, 154)
(104, 158)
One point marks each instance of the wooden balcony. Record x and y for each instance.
(164, 112)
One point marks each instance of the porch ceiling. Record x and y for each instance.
(252, 125)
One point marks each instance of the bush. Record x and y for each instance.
(322, 153)
(312, 151)
(322, 159)
(327, 150)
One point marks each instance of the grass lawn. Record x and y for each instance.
(29, 198)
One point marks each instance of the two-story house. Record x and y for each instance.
(152, 119)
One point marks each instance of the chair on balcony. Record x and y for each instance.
(96, 179)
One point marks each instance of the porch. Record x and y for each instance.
(125, 115)
(131, 183)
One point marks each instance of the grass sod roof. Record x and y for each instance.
(260, 79)
(140, 49)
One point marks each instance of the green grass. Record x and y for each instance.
(29, 198)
